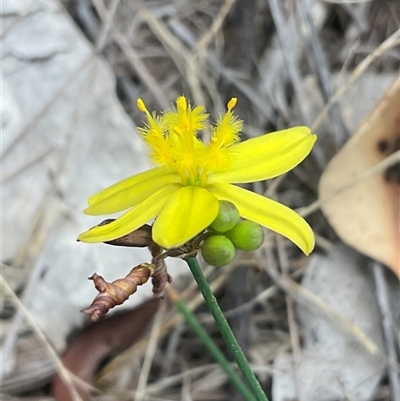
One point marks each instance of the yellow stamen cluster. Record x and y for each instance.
(174, 143)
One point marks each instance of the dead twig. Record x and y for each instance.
(65, 375)
(391, 160)
(155, 334)
(391, 42)
(134, 60)
(309, 300)
(293, 327)
(323, 74)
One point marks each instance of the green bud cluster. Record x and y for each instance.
(228, 233)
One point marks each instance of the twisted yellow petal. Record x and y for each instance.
(132, 219)
(130, 192)
(266, 156)
(188, 212)
(121, 185)
(268, 213)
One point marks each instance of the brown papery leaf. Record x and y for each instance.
(99, 341)
(364, 208)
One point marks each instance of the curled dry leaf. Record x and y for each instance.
(364, 208)
(117, 292)
(100, 341)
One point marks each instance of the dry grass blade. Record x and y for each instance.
(286, 44)
(108, 17)
(293, 326)
(150, 352)
(391, 42)
(389, 161)
(323, 74)
(64, 374)
(179, 54)
(130, 54)
(205, 40)
(305, 297)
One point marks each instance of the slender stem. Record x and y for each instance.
(225, 330)
(215, 352)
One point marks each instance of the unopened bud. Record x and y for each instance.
(218, 250)
(227, 217)
(246, 235)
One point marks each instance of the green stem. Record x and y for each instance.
(225, 330)
(192, 321)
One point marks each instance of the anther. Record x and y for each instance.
(141, 106)
(181, 103)
(232, 103)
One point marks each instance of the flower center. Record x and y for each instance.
(173, 140)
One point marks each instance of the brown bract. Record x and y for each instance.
(139, 238)
(117, 292)
(360, 200)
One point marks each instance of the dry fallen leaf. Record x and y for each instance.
(99, 341)
(364, 208)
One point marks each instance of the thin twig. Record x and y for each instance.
(293, 327)
(323, 74)
(141, 69)
(202, 44)
(392, 41)
(286, 48)
(179, 54)
(134, 60)
(288, 56)
(391, 160)
(61, 370)
(305, 297)
(150, 352)
(108, 18)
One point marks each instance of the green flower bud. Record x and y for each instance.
(227, 217)
(217, 250)
(246, 235)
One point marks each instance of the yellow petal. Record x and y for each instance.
(132, 219)
(268, 213)
(266, 156)
(129, 192)
(188, 212)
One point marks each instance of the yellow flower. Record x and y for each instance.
(191, 176)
